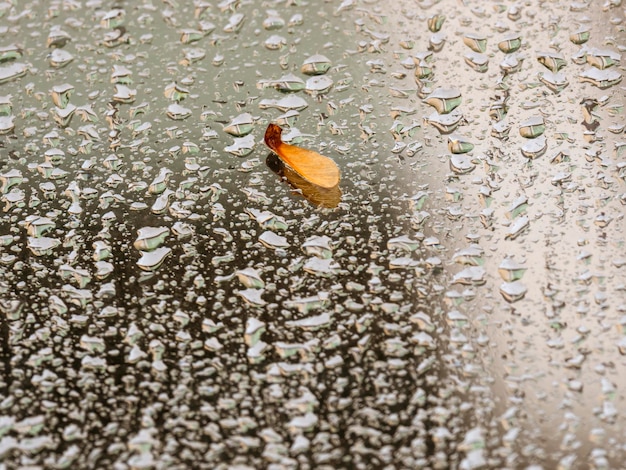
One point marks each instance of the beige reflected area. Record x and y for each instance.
(554, 361)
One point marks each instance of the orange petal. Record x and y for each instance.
(313, 167)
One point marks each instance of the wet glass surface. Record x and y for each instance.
(174, 296)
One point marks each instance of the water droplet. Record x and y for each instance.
(532, 127)
(473, 255)
(151, 260)
(435, 23)
(473, 275)
(59, 58)
(177, 112)
(461, 164)
(273, 241)
(517, 227)
(554, 61)
(476, 42)
(478, 62)
(318, 85)
(12, 71)
(42, 246)
(459, 144)
(444, 100)
(250, 278)
(175, 92)
(149, 238)
(275, 43)
(253, 297)
(600, 78)
(510, 43)
(235, 22)
(241, 146)
(580, 36)
(535, 148)
(285, 104)
(556, 82)
(445, 123)
(241, 125)
(513, 291)
(321, 267)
